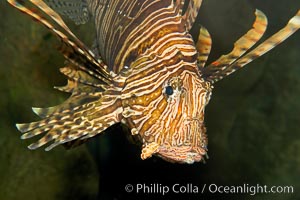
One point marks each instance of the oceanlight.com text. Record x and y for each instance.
(189, 188)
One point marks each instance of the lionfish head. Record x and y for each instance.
(166, 111)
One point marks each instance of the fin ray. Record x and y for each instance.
(69, 122)
(76, 52)
(74, 9)
(203, 47)
(241, 46)
(276, 39)
(191, 13)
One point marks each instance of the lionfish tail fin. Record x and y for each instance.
(223, 69)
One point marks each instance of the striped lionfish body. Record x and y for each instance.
(145, 71)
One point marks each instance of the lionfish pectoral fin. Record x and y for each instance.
(87, 112)
(94, 104)
(75, 121)
(74, 9)
(43, 112)
(203, 47)
(292, 26)
(74, 143)
(241, 46)
(149, 149)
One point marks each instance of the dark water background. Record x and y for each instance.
(253, 118)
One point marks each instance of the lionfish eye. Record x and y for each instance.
(169, 90)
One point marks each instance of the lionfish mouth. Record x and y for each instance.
(190, 150)
(183, 154)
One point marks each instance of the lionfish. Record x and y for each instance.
(145, 71)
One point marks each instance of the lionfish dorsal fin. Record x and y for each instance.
(242, 45)
(191, 13)
(72, 48)
(203, 46)
(233, 61)
(76, 10)
(52, 14)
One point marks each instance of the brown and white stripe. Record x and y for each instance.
(150, 75)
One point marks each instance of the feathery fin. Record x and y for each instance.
(245, 42)
(41, 142)
(292, 26)
(191, 13)
(94, 104)
(82, 77)
(76, 52)
(75, 143)
(43, 112)
(203, 47)
(67, 125)
(241, 46)
(76, 10)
